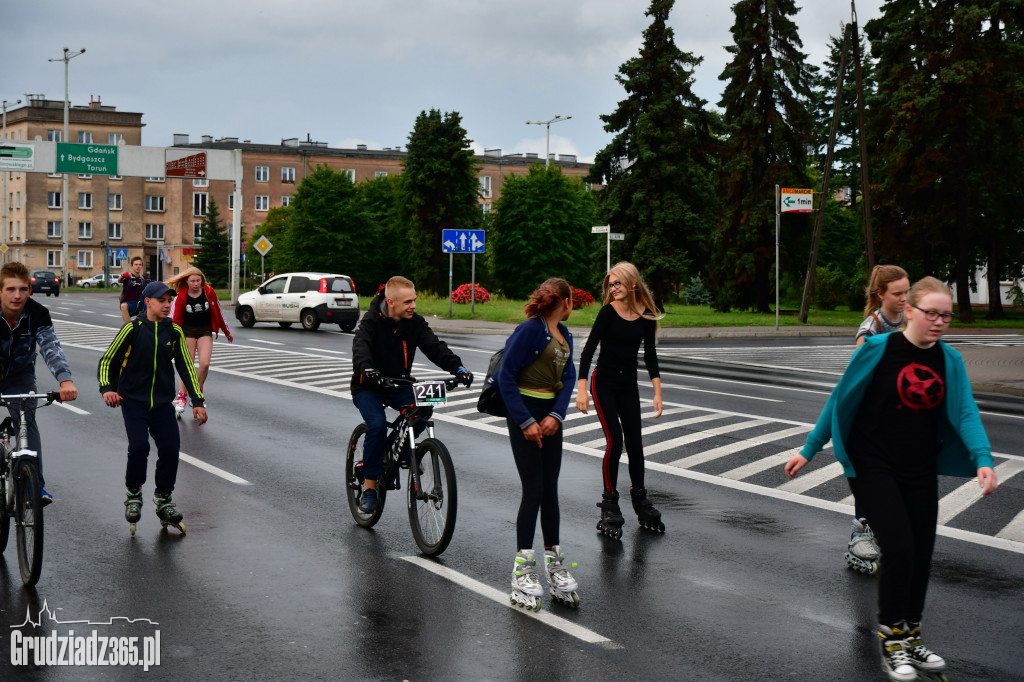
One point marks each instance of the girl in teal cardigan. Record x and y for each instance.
(902, 414)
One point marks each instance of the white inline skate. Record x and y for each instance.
(863, 554)
(526, 589)
(179, 403)
(560, 582)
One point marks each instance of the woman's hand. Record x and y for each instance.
(549, 426)
(533, 433)
(987, 480)
(582, 399)
(795, 464)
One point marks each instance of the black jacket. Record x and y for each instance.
(140, 364)
(389, 347)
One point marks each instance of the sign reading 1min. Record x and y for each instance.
(93, 159)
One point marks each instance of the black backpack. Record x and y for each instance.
(490, 401)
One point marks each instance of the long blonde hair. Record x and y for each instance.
(179, 282)
(638, 296)
(881, 277)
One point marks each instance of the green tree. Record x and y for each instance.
(440, 191)
(327, 229)
(770, 129)
(540, 228)
(273, 227)
(380, 200)
(658, 168)
(214, 257)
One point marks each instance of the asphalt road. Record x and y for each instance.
(275, 581)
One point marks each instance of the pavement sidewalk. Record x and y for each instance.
(992, 369)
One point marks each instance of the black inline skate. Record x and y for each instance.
(167, 512)
(611, 519)
(133, 506)
(646, 514)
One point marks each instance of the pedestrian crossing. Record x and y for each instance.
(725, 445)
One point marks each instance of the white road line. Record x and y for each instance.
(72, 408)
(701, 435)
(1014, 530)
(763, 464)
(596, 423)
(216, 471)
(269, 343)
(326, 350)
(968, 493)
(754, 383)
(691, 389)
(738, 446)
(802, 484)
(567, 626)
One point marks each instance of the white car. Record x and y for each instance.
(97, 280)
(305, 297)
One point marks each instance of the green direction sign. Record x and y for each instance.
(94, 159)
(16, 156)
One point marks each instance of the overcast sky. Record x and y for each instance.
(347, 72)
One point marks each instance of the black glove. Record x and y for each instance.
(465, 377)
(372, 378)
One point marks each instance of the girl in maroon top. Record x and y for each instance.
(626, 320)
(197, 311)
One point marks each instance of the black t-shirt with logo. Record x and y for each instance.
(897, 423)
(197, 311)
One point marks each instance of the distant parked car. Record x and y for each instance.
(45, 281)
(97, 280)
(306, 297)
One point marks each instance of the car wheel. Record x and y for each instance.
(347, 326)
(310, 322)
(85, 285)
(57, 293)
(285, 325)
(246, 317)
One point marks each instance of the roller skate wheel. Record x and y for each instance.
(131, 527)
(181, 527)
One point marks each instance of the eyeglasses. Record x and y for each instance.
(614, 285)
(932, 315)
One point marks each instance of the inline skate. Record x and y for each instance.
(526, 589)
(167, 512)
(611, 519)
(132, 507)
(862, 554)
(646, 514)
(179, 404)
(560, 582)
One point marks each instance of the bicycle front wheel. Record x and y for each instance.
(354, 480)
(5, 516)
(28, 521)
(432, 507)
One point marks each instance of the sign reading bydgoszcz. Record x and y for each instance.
(179, 163)
(796, 200)
(92, 159)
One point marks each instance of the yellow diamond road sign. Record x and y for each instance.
(263, 245)
(4, 248)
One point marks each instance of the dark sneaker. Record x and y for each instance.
(46, 497)
(368, 502)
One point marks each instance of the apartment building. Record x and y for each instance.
(116, 218)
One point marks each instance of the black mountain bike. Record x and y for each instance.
(432, 493)
(20, 488)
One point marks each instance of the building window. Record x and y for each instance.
(485, 186)
(84, 137)
(85, 200)
(287, 174)
(286, 201)
(114, 202)
(231, 202)
(154, 203)
(53, 229)
(486, 208)
(197, 233)
(351, 172)
(85, 230)
(85, 259)
(262, 173)
(199, 200)
(54, 135)
(154, 232)
(262, 202)
(114, 177)
(53, 199)
(155, 179)
(200, 182)
(114, 231)
(53, 259)
(115, 138)
(85, 176)
(380, 174)
(53, 175)
(588, 186)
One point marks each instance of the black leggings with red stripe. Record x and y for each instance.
(617, 401)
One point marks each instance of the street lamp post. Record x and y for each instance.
(3, 196)
(68, 56)
(547, 145)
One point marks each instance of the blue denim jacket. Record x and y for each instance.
(527, 342)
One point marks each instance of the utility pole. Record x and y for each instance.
(3, 196)
(68, 56)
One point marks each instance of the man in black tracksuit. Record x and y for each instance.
(384, 347)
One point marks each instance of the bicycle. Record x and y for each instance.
(20, 490)
(433, 495)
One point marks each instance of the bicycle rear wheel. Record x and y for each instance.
(433, 507)
(354, 480)
(28, 520)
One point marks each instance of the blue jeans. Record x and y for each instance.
(371, 406)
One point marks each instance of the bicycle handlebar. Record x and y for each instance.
(49, 397)
(389, 382)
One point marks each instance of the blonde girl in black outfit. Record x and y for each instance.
(626, 320)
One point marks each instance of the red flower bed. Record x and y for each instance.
(580, 298)
(461, 295)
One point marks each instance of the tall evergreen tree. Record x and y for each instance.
(770, 129)
(658, 169)
(214, 257)
(380, 198)
(440, 189)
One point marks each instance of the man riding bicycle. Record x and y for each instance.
(384, 347)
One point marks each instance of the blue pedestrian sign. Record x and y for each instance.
(119, 254)
(462, 241)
